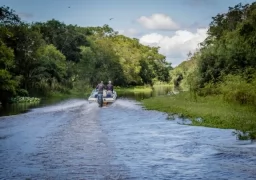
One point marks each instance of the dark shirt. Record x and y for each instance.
(110, 87)
(100, 88)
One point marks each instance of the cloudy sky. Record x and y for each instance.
(176, 26)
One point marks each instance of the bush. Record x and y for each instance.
(236, 89)
(19, 99)
(209, 89)
(22, 92)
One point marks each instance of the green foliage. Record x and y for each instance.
(230, 46)
(209, 89)
(22, 93)
(129, 53)
(226, 63)
(44, 57)
(122, 60)
(53, 63)
(8, 16)
(224, 68)
(7, 86)
(185, 74)
(19, 99)
(99, 63)
(66, 38)
(6, 57)
(8, 83)
(140, 64)
(235, 89)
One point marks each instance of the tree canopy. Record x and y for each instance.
(42, 57)
(226, 62)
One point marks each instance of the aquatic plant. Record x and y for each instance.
(19, 99)
(213, 111)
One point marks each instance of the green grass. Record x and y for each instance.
(85, 93)
(164, 84)
(72, 93)
(134, 89)
(212, 109)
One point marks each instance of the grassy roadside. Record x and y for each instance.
(212, 109)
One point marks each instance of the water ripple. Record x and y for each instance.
(78, 140)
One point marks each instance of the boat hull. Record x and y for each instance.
(93, 97)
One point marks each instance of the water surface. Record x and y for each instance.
(17, 108)
(77, 140)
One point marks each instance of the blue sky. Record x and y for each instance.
(189, 15)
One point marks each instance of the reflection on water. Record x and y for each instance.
(18, 108)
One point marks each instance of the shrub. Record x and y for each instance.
(209, 89)
(22, 92)
(236, 89)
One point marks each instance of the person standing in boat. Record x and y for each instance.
(100, 87)
(110, 89)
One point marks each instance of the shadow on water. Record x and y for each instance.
(18, 108)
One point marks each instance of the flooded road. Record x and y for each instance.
(77, 140)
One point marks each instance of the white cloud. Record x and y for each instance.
(176, 47)
(158, 21)
(128, 32)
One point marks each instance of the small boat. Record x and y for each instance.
(107, 97)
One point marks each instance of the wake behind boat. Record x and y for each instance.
(108, 97)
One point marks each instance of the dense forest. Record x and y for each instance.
(42, 57)
(226, 62)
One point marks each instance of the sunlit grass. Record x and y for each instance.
(163, 85)
(134, 89)
(212, 109)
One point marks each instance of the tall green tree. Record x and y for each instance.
(230, 47)
(8, 83)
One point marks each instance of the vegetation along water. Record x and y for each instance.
(216, 84)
